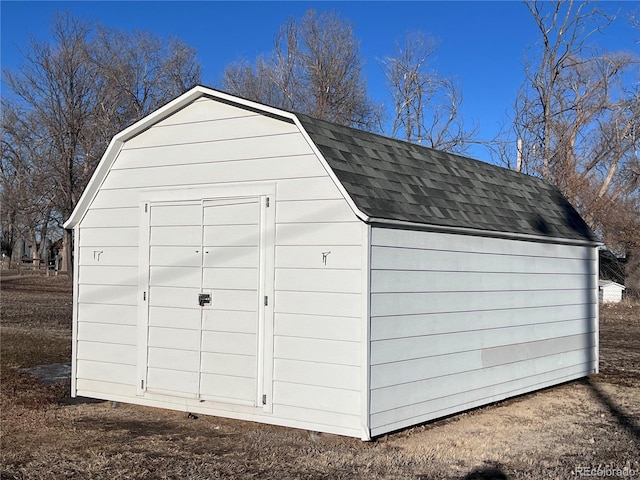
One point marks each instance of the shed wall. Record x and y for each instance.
(460, 321)
(318, 305)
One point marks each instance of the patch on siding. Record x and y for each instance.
(492, 357)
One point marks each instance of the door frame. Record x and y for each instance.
(266, 192)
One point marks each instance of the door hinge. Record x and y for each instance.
(267, 205)
(144, 296)
(266, 300)
(146, 207)
(141, 384)
(264, 399)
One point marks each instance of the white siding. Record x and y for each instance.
(459, 321)
(317, 304)
(318, 280)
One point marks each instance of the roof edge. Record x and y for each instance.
(604, 283)
(388, 223)
(341, 188)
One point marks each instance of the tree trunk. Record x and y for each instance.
(67, 253)
(35, 259)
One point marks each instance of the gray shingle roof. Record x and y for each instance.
(395, 180)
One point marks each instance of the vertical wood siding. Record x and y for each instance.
(316, 368)
(460, 321)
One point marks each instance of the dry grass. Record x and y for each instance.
(36, 330)
(548, 434)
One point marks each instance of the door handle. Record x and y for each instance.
(204, 299)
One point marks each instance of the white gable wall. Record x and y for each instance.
(460, 321)
(318, 303)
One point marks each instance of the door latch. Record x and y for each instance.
(204, 299)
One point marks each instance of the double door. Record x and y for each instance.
(205, 297)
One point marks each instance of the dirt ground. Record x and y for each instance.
(584, 428)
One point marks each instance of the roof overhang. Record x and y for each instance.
(387, 223)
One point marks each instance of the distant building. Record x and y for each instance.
(609, 291)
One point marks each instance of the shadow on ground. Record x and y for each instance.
(626, 421)
(486, 474)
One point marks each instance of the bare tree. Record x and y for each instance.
(277, 79)
(70, 97)
(26, 196)
(333, 67)
(286, 72)
(577, 117)
(426, 105)
(256, 82)
(315, 68)
(138, 72)
(56, 83)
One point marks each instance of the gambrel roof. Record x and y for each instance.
(395, 180)
(388, 181)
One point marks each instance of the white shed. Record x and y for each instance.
(238, 260)
(610, 292)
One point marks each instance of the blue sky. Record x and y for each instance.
(481, 42)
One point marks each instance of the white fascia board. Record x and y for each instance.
(249, 104)
(115, 145)
(92, 187)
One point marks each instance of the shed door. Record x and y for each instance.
(204, 288)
